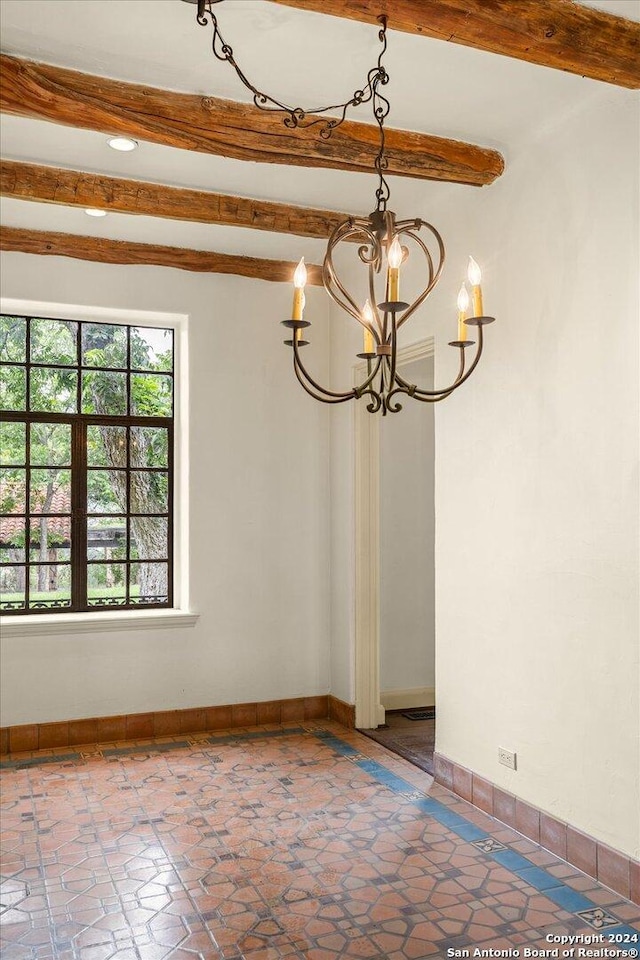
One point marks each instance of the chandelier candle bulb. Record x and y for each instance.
(368, 346)
(463, 306)
(394, 259)
(474, 275)
(368, 342)
(299, 280)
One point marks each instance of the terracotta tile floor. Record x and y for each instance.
(271, 843)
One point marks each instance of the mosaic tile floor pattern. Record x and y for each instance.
(314, 842)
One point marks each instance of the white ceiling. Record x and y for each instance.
(307, 58)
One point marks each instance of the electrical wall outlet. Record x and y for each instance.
(507, 758)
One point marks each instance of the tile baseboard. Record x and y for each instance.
(610, 867)
(165, 723)
(341, 712)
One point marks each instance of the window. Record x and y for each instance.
(86, 465)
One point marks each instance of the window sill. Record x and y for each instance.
(56, 624)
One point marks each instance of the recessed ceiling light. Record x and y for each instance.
(94, 212)
(124, 144)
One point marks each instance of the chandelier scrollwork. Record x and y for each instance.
(384, 244)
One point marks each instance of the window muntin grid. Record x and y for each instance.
(89, 525)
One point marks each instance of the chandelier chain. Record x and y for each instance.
(303, 118)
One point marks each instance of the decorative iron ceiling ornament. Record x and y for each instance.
(384, 244)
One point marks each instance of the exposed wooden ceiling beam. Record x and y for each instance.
(552, 33)
(228, 128)
(50, 244)
(28, 181)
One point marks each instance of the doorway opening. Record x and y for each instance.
(395, 592)
(414, 740)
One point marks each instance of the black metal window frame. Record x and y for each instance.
(79, 469)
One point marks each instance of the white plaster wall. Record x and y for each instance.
(537, 499)
(537, 481)
(258, 489)
(407, 541)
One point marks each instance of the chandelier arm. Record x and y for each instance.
(433, 278)
(411, 389)
(397, 407)
(389, 384)
(356, 228)
(329, 279)
(374, 405)
(379, 334)
(392, 360)
(476, 359)
(355, 392)
(352, 227)
(362, 225)
(463, 360)
(372, 370)
(317, 396)
(384, 378)
(425, 396)
(301, 372)
(441, 394)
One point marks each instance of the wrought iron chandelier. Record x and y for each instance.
(384, 244)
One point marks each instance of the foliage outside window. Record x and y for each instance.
(86, 464)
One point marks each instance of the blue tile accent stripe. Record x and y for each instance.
(256, 735)
(36, 761)
(552, 887)
(145, 748)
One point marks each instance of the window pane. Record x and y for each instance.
(107, 538)
(13, 388)
(50, 539)
(104, 392)
(13, 339)
(12, 534)
(12, 443)
(104, 345)
(149, 492)
(106, 491)
(53, 390)
(50, 444)
(151, 349)
(107, 584)
(149, 538)
(70, 371)
(54, 341)
(148, 582)
(151, 395)
(149, 446)
(12, 581)
(50, 491)
(107, 446)
(13, 492)
(49, 585)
